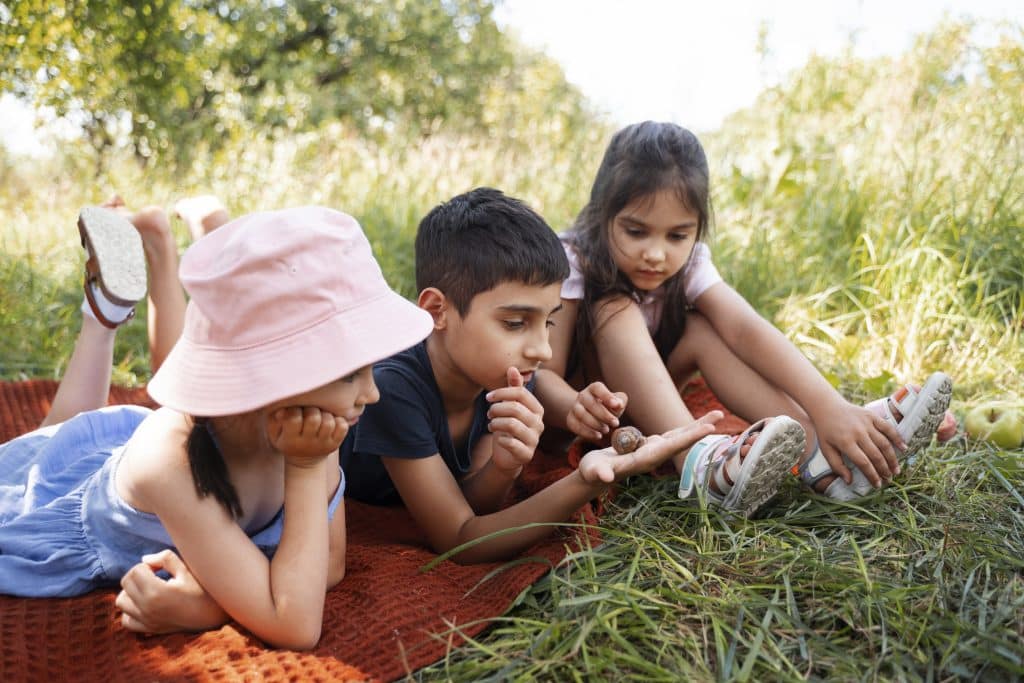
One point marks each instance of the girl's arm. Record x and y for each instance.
(280, 600)
(150, 604)
(841, 427)
(590, 413)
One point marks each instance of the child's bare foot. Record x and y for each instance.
(742, 473)
(202, 214)
(154, 228)
(916, 412)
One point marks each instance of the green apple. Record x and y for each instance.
(998, 423)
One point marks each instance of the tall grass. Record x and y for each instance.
(872, 209)
(877, 209)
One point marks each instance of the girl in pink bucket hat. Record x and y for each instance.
(238, 471)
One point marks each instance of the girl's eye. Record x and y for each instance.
(550, 323)
(349, 379)
(634, 232)
(513, 324)
(679, 236)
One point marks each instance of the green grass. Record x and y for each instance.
(919, 582)
(873, 210)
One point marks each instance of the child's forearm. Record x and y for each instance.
(486, 489)
(553, 505)
(298, 572)
(777, 359)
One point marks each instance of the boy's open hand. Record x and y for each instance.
(606, 466)
(304, 434)
(517, 421)
(596, 412)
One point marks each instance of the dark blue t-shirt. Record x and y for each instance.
(407, 422)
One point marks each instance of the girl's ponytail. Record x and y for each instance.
(209, 471)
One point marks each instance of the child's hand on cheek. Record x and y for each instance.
(517, 421)
(305, 435)
(596, 412)
(605, 466)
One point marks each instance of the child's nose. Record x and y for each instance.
(539, 348)
(370, 393)
(654, 253)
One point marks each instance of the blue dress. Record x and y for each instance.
(64, 530)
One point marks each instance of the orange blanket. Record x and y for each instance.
(387, 617)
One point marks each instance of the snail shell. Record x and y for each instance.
(626, 440)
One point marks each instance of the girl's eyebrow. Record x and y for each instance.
(637, 221)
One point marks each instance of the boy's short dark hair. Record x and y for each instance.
(482, 238)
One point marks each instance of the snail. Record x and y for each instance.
(626, 440)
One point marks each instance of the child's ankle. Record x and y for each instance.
(111, 312)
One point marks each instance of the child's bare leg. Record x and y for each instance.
(166, 309)
(202, 214)
(629, 362)
(86, 380)
(739, 387)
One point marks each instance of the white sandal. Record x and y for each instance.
(744, 485)
(922, 412)
(115, 263)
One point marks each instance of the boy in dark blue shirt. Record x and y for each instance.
(457, 420)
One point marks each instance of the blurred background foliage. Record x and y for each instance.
(871, 207)
(177, 79)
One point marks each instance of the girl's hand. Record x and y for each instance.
(305, 435)
(866, 439)
(596, 412)
(606, 466)
(149, 604)
(517, 421)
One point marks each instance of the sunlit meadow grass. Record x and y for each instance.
(872, 210)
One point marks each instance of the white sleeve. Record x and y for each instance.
(700, 273)
(572, 286)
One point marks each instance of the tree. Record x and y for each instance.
(169, 75)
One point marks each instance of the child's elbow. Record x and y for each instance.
(335, 572)
(299, 639)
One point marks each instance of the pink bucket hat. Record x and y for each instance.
(282, 302)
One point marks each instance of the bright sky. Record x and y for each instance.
(696, 62)
(681, 60)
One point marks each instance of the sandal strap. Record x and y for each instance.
(698, 459)
(727, 468)
(902, 401)
(96, 312)
(815, 468)
(712, 458)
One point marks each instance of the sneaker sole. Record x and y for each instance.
(783, 442)
(117, 246)
(918, 428)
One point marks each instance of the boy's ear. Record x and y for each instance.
(433, 301)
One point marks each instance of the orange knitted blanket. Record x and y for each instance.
(388, 617)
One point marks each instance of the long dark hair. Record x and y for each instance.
(640, 160)
(209, 471)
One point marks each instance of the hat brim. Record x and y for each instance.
(210, 382)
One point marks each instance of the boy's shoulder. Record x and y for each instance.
(407, 371)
